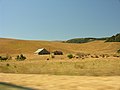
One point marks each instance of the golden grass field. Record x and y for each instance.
(13, 46)
(54, 82)
(60, 73)
(86, 67)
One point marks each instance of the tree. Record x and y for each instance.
(114, 38)
(20, 57)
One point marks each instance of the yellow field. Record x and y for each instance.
(82, 67)
(53, 82)
(42, 74)
(13, 46)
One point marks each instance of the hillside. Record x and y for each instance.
(114, 38)
(84, 40)
(14, 46)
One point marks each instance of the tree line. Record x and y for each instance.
(114, 38)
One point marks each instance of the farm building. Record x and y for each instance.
(42, 51)
(58, 53)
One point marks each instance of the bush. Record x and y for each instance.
(81, 55)
(7, 64)
(20, 57)
(114, 38)
(0, 57)
(70, 56)
(7, 57)
(48, 59)
(3, 58)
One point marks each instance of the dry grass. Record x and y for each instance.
(13, 46)
(60, 65)
(86, 67)
(53, 82)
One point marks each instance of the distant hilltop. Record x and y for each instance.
(114, 38)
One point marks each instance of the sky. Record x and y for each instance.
(59, 19)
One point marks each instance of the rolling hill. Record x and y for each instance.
(14, 46)
(114, 38)
(84, 40)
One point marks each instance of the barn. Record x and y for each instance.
(42, 51)
(58, 53)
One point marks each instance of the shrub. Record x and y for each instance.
(81, 55)
(17, 57)
(96, 56)
(5, 58)
(7, 64)
(48, 59)
(0, 57)
(70, 56)
(20, 57)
